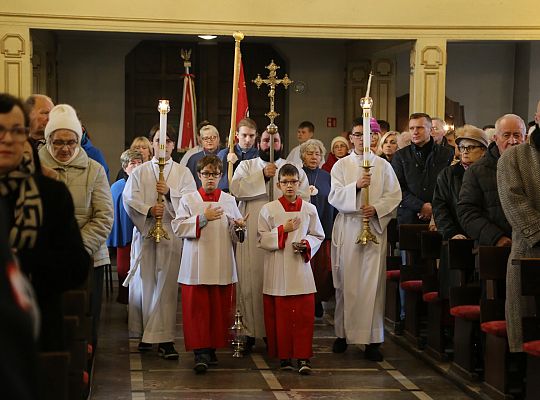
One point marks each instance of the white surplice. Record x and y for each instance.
(153, 291)
(251, 190)
(208, 259)
(359, 271)
(286, 273)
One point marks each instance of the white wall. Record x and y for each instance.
(481, 77)
(91, 78)
(322, 67)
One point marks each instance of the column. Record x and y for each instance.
(15, 60)
(428, 77)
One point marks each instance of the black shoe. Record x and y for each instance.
(286, 365)
(143, 347)
(340, 345)
(250, 342)
(167, 351)
(398, 327)
(201, 363)
(304, 367)
(213, 358)
(372, 352)
(319, 310)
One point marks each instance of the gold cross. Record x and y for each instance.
(272, 81)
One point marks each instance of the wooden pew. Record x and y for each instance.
(503, 377)
(53, 376)
(530, 286)
(431, 243)
(411, 274)
(465, 308)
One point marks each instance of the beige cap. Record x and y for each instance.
(473, 133)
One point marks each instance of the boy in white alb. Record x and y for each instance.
(206, 220)
(290, 230)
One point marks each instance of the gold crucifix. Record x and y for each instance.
(272, 81)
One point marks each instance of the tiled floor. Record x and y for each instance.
(123, 373)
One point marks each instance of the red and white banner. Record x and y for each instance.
(188, 124)
(242, 109)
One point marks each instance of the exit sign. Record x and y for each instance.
(331, 122)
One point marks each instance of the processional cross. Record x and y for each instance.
(272, 81)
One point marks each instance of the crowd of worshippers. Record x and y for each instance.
(230, 245)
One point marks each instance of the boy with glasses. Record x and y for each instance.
(291, 233)
(207, 221)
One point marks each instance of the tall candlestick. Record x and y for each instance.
(369, 84)
(163, 109)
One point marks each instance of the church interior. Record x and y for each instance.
(466, 63)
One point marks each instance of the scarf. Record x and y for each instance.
(28, 211)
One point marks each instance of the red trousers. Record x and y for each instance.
(122, 267)
(207, 312)
(289, 325)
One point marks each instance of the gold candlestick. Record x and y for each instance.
(365, 236)
(157, 232)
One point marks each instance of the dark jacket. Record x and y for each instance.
(417, 178)
(57, 262)
(445, 199)
(479, 208)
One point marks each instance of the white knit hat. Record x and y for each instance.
(63, 116)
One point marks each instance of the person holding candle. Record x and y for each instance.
(153, 291)
(359, 271)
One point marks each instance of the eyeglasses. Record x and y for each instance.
(168, 141)
(208, 138)
(210, 174)
(61, 143)
(18, 132)
(359, 135)
(289, 183)
(466, 149)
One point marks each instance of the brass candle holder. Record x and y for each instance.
(157, 232)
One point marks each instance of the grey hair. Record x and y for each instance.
(310, 144)
(513, 116)
(127, 156)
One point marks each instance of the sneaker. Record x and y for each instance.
(167, 351)
(373, 353)
(340, 345)
(213, 358)
(143, 347)
(304, 367)
(201, 363)
(286, 365)
(319, 310)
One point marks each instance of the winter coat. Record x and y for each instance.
(417, 178)
(519, 190)
(88, 185)
(479, 208)
(445, 199)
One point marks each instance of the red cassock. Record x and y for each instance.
(289, 325)
(207, 312)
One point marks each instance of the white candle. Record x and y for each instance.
(163, 110)
(366, 132)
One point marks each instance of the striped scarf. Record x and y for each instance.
(28, 210)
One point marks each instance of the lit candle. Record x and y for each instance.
(163, 109)
(366, 128)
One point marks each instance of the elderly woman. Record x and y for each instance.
(472, 143)
(43, 229)
(388, 145)
(87, 182)
(143, 146)
(339, 148)
(312, 152)
(122, 229)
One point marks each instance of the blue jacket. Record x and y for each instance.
(242, 155)
(94, 153)
(122, 229)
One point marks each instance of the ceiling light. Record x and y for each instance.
(207, 37)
